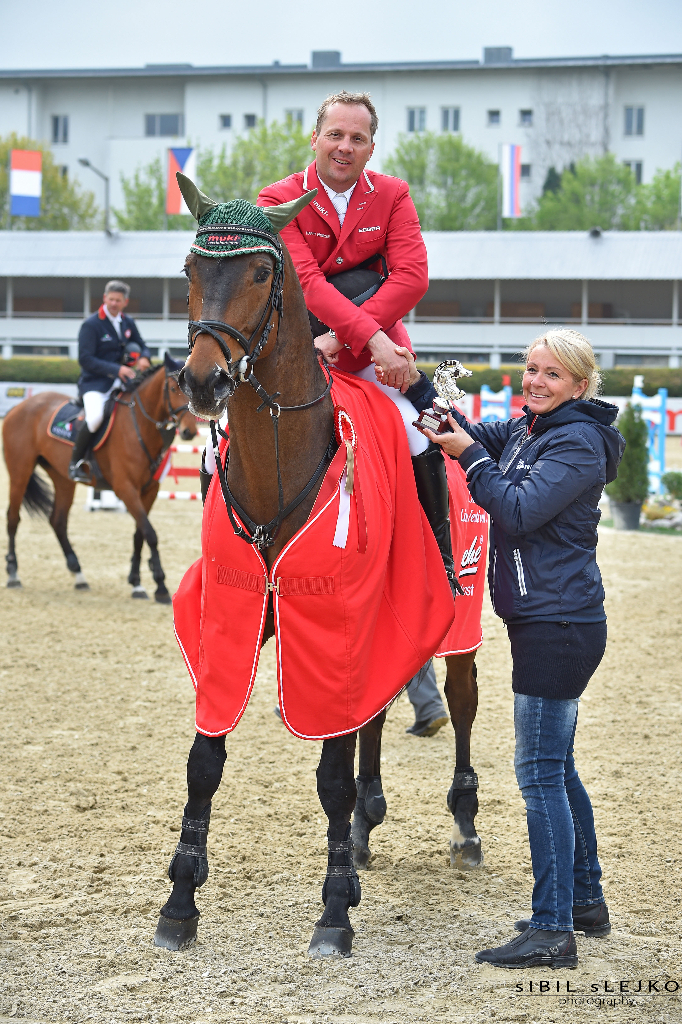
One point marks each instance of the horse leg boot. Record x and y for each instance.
(188, 869)
(333, 935)
(432, 490)
(79, 470)
(461, 692)
(370, 805)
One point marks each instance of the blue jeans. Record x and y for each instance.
(563, 844)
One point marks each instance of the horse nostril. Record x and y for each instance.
(182, 383)
(224, 384)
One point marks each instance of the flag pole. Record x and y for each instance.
(499, 187)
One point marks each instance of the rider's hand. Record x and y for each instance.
(411, 362)
(329, 347)
(142, 364)
(395, 370)
(453, 444)
(126, 373)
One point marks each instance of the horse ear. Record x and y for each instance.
(198, 203)
(172, 365)
(280, 216)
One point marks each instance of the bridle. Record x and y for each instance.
(165, 427)
(241, 372)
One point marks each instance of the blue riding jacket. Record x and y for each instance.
(541, 478)
(100, 350)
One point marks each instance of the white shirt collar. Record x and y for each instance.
(341, 206)
(116, 320)
(331, 193)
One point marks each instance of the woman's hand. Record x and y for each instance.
(414, 372)
(452, 444)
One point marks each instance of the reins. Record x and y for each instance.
(167, 426)
(241, 372)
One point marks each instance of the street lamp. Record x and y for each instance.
(84, 162)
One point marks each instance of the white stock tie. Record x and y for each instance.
(340, 203)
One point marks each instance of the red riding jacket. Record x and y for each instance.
(381, 218)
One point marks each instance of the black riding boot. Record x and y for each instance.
(79, 470)
(432, 489)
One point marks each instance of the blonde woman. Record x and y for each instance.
(540, 477)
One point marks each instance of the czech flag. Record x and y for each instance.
(25, 182)
(511, 178)
(184, 160)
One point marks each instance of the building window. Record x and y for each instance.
(249, 120)
(525, 172)
(634, 120)
(526, 118)
(449, 119)
(63, 171)
(164, 124)
(416, 119)
(294, 116)
(494, 118)
(636, 168)
(225, 120)
(60, 129)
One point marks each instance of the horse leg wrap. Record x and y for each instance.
(340, 865)
(372, 797)
(370, 811)
(465, 844)
(192, 843)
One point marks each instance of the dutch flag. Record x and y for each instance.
(511, 179)
(25, 182)
(184, 160)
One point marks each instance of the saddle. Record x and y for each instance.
(66, 421)
(357, 284)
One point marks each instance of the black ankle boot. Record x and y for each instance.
(79, 470)
(193, 839)
(432, 489)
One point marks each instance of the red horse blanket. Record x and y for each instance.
(469, 528)
(361, 600)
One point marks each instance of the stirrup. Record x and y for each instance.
(346, 870)
(80, 472)
(196, 850)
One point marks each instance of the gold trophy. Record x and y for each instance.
(445, 382)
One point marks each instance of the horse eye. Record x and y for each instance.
(261, 275)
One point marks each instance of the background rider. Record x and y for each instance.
(102, 342)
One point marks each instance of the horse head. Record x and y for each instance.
(240, 276)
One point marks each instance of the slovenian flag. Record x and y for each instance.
(25, 182)
(184, 160)
(511, 179)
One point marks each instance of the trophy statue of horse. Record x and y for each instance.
(296, 472)
(144, 421)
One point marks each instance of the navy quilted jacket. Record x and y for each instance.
(541, 478)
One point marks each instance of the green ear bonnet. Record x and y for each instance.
(214, 237)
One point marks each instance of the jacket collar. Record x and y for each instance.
(363, 195)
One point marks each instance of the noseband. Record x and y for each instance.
(241, 372)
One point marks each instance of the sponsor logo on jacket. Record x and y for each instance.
(320, 208)
(375, 227)
(318, 234)
(472, 557)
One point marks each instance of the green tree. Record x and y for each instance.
(454, 187)
(632, 482)
(268, 153)
(657, 205)
(144, 197)
(65, 206)
(594, 192)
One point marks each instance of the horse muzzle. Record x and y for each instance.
(208, 398)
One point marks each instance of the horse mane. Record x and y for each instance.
(133, 385)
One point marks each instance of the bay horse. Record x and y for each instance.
(148, 413)
(236, 324)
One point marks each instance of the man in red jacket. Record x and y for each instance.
(356, 215)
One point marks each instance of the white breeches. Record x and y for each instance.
(93, 406)
(416, 440)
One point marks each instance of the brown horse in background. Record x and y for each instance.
(147, 417)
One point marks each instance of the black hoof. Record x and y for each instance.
(331, 942)
(15, 583)
(81, 586)
(163, 597)
(140, 594)
(176, 935)
(466, 855)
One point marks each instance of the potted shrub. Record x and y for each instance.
(628, 492)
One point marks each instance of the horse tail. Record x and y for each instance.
(38, 498)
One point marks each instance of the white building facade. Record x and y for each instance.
(557, 109)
